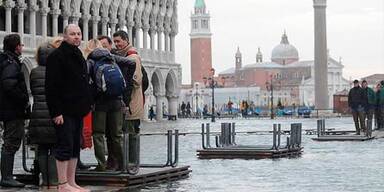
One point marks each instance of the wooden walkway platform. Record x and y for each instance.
(144, 177)
(248, 153)
(342, 138)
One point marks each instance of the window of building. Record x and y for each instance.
(204, 24)
(195, 24)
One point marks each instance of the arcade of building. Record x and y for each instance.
(151, 24)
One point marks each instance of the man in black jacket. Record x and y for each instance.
(69, 99)
(13, 106)
(355, 102)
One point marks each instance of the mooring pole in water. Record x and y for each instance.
(203, 136)
(233, 134)
(176, 159)
(278, 136)
(288, 143)
(274, 136)
(300, 135)
(208, 136)
(169, 148)
(217, 141)
(323, 126)
(229, 133)
(293, 135)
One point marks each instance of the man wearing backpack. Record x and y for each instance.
(134, 97)
(109, 85)
(13, 106)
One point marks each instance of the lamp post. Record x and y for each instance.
(270, 87)
(212, 85)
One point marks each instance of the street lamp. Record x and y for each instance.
(212, 84)
(270, 87)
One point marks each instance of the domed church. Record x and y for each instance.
(292, 79)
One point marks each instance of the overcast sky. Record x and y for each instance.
(355, 30)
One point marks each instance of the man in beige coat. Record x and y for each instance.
(134, 98)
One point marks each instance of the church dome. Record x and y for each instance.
(284, 53)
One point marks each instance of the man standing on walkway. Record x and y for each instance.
(69, 99)
(355, 102)
(369, 100)
(134, 97)
(380, 105)
(13, 106)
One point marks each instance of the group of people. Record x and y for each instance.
(365, 103)
(186, 109)
(68, 84)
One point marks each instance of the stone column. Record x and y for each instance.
(145, 37)
(159, 106)
(104, 25)
(152, 34)
(44, 13)
(95, 22)
(75, 18)
(137, 35)
(129, 28)
(166, 41)
(172, 105)
(321, 67)
(113, 23)
(65, 16)
(55, 24)
(32, 19)
(85, 19)
(20, 17)
(121, 24)
(159, 39)
(8, 5)
(172, 39)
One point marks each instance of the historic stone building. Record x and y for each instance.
(151, 24)
(292, 79)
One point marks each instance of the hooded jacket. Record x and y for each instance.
(13, 90)
(41, 130)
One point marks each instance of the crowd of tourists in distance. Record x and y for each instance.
(105, 78)
(366, 103)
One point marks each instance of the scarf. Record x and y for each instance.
(124, 51)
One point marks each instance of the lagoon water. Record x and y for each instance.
(323, 167)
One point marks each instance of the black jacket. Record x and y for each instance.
(13, 90)
(41, 130)
(67, 82)
(356, 97)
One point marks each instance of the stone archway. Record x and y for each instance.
(159, 93)
(171, 87)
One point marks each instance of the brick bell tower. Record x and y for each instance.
(201, 51)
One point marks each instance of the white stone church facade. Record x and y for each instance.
(151, 24)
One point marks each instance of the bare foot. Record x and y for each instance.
(80, 189)
(67, 188)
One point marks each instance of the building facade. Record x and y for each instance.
(151, 25)
(292, 80)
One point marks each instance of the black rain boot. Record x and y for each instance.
(48, 170)
(7, 160)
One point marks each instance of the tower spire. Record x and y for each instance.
(259, 56)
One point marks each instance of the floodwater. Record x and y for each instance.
(323, 167)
